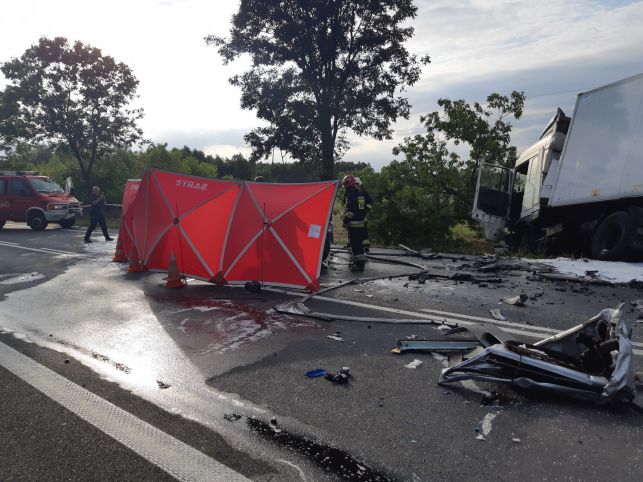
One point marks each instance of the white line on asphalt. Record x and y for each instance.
(453, 318)
(44, 250)
(492, 320)
(175, 457)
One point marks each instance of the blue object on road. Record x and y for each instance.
(318, 372)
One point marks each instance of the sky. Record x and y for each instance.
(550, 49)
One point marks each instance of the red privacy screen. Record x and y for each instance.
(125, 233)
(232, 231)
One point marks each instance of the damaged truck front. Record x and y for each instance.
(579, 189)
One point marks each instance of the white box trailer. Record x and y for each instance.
(603, 154)
(580, 187)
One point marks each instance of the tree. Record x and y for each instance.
(321, 68)
(482, 131)
(429, 189)
(72, 95)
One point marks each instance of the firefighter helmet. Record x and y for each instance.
(349, 181)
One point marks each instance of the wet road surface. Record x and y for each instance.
(205, 353)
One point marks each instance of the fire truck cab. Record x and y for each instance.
(26, 196)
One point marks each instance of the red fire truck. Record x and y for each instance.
(26, 196)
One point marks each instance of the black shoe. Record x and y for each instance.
(357, 267)
(87, 240)
(109, 239)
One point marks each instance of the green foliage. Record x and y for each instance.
(320, 69)
(420, 197)
(405, 210)
(72, 95)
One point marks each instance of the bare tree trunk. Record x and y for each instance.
(327, 147)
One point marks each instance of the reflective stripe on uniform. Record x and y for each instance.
(356, 224)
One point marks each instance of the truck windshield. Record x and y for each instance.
(44, 185)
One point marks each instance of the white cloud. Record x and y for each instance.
(551, 49)
(226, 150)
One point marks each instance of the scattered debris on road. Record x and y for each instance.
(335, 336)
(518, 300)
(231, 417)
(341, 377)
(434, 346)
(162, 385)
(253, 287)
(497, 314)
(317, 372)
(592, 361)
(414, 364)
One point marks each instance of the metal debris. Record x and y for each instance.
(435, 346)
(340, 378)
(516, 300)
(592, 361)
(497, 315)
(335, 336)
(231, 417)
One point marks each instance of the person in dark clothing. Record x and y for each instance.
(369, 205)
(96, 214)
(355, 221)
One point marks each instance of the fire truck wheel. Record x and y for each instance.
(36, 221)
(67, 223)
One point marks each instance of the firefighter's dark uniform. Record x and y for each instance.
(369, 205)
(355, 222)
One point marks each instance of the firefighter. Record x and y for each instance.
(355, 221)
(369, 205)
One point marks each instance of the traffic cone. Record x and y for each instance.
(174, 278)
(135, 265)
(218, 279)
(119, 255)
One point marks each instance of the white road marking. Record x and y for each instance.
(492, 320)
(173, 456)
(452, 318)
(44, 250)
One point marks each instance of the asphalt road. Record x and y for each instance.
(186, 360)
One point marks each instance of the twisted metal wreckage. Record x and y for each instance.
(591, 361)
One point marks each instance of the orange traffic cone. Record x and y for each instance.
(174, 278)
(135, 265)
(119, 256)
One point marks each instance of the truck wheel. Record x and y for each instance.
(2, 224)
(37, 221)
(612, 238)
(67, 223)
